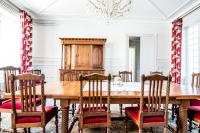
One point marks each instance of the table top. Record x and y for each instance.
(71, 90)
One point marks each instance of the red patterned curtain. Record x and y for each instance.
(26, 53)
(176, 50)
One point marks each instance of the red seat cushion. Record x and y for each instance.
(133, 112)
(94, 119)
(197, 116)
(194, 108)
(195, 102)
(50, 113)
(8, 103)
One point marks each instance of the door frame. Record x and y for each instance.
(154, 35)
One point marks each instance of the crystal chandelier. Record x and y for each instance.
(111, 8)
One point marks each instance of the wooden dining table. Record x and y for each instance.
(68, 92)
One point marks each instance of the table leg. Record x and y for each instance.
(65, 115)
(183, 116)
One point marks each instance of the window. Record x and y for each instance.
(191, 52)
(9, 39)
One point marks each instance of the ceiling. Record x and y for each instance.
(141, 9)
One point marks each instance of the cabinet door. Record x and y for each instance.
(67, 57)
(83, 57)
(97, 57)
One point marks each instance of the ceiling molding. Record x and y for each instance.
(57, 20)
(158, 9)
(184, 5)
(48, 5)
(21, 6)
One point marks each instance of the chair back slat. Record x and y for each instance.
(7, 71)
(196, 80)
(101, 96)
(156, 90)
(126, 76)
(27, 85)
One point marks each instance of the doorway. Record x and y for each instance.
(142, 52)
(134, 57)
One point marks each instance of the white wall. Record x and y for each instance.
(47, 48)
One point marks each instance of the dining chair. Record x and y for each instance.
(30, 115)
(5, 104)
(126, 76)
(150, 113)
(194, 108)
(94, 110)
(36, 71)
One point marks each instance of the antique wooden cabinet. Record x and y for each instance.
(81, 55)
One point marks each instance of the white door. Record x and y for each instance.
(147, 54)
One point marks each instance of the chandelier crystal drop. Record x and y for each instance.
(111, 9)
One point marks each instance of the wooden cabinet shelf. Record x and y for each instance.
(82, 55)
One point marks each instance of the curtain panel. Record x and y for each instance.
(26, 48)
(176, 50)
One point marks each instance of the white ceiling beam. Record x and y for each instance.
(158, 9)
(48, 5)
(181, 7)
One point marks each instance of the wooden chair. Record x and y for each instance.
(150, 114)
(6, 104)
(194, 108)
(7, 71)
(93, 113)
(30, 115)
(36, 71)
(126, 76)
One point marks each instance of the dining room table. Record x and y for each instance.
(68, 92)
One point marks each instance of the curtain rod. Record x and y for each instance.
(191, 11)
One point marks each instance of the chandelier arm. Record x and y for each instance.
(95, 6)
(125, 6)
(102, 3)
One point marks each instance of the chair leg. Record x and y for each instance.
(190, 118)
(25, 131)
(43, 129)
(120, 108)
(177, 119)
(56, 122)
(152, 129)
(54, 102)
(190, 125)
(126, 123)
(14, 130)
(173, 111)
(0, 122)
(29, 130)
(199, 129)
(73, 109)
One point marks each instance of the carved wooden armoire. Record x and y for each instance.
(81, 56)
